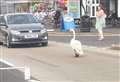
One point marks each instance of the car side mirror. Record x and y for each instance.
(3, 24)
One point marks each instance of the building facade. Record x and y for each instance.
(90, 6)
(109, 5)
(11, 6)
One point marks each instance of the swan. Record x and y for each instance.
(76, 45)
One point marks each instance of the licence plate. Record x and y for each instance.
(31, 36)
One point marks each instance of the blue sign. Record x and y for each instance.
(67, 23)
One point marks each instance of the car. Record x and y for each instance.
(22, 28)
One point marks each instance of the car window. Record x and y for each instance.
(2, 20)
(21, 19)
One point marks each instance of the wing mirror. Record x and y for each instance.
(3, 24)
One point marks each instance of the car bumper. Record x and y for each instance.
(29, 40)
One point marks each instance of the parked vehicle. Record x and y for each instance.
(22, 28)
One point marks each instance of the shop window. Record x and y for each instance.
(93, 1)
(93, 11)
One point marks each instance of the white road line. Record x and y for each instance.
(6, 62)
(33, 81)
(115, 34)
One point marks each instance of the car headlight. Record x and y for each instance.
(43, 30)
(15, 32)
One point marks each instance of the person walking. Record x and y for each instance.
(57, 18)
(100, 21)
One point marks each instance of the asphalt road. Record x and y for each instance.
(88, 40)
(56, 62)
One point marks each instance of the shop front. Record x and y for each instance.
(20, 5)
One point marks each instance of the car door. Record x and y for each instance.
(3, 29)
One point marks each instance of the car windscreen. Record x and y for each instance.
(21, 19)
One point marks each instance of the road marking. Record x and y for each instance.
(115, 34)
(6, 62)
(33, 81)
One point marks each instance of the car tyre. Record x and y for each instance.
(1, 43)
(45, 44)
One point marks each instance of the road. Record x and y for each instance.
(57, 63)
(88, 40)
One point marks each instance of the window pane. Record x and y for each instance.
(93, 11)
(93, 1)
(97, 1)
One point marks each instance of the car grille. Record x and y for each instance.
(30, 31)
(24, 31)
(31, 40)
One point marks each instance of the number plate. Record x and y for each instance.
(31, 36)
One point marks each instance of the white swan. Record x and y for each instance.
(76, 45)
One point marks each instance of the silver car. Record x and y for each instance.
(22, 28)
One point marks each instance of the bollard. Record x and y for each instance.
(27, 73)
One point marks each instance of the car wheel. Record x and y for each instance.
(1, 43)
(45, 44)
(7, 42)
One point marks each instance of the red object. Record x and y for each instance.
(61, 3)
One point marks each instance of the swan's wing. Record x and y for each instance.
(75, 43)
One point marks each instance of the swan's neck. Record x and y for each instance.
(73, 35)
